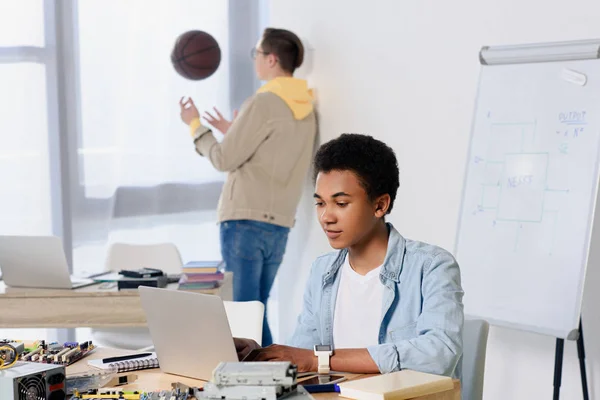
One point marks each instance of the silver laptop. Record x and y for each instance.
(36, 262)
(190, 331)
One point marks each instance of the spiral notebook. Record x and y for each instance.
(126, 363)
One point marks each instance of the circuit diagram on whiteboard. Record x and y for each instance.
(522, 183)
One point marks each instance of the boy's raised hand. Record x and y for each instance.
(189, 112)
(219, 122)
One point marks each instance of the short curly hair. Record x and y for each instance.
(370, 159)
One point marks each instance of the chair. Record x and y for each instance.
(164, 256)
(245, 319)
(475, 335)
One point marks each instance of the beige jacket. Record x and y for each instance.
(266, 152)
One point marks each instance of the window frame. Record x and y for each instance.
(59, 55)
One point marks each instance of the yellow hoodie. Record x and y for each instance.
(294, 92)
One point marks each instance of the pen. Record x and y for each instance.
(124, 358)
(326, 388)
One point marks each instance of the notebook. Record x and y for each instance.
(405, 384)
(203, 267)
(127, 363)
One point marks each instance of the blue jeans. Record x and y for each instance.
(253, 251)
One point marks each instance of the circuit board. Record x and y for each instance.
(51, 352)
(125, 395)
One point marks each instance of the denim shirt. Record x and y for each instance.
(421, 315)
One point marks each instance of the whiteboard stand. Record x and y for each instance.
(530, 209)
(581, 355)
(558, 363)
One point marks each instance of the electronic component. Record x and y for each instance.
(253, 381)
(121, 380)
(110, 394)
(52, 353)
(214, 392)
(91, 379)
(131, 395)
(182, 387)
(18, 345)
(141, 273)
(134, 283)
(8, 356)
(255, 374)
(33, 381)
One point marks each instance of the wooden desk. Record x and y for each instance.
(153, 379)
(92, 306)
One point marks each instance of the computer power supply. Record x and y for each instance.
(33, 381)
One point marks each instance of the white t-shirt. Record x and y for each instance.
(357, 315)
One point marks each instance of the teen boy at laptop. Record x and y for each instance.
(380, 303)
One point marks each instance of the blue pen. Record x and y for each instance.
(325, 388)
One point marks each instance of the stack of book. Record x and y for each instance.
(197, 275)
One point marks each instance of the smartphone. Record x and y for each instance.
(322, 380)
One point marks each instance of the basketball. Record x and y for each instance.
(196, 55)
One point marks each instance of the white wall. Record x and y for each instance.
(406, 72)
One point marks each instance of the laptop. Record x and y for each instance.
(36, 262)
(190, 331)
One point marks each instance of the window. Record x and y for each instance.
(24, 165)
(139, 178)
(26, 199)
(22, 24)
(92, 81)
(131, 131)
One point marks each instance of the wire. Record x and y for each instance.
(4, 364)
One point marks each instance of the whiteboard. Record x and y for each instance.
(530, 193)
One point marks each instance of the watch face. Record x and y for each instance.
(322, 347)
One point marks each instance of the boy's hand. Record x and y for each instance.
(244, 346)
(189, 112)
(304, 359)
(219, 123)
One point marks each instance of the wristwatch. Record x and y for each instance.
(323, 352)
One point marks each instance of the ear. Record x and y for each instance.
(272, 60)
(382, 205)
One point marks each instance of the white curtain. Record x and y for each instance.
(25, 189)
(140, 179)
(24, 177)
